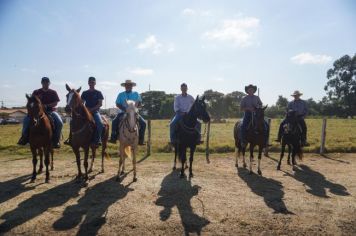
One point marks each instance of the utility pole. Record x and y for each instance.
(2, 104)
(149, 87)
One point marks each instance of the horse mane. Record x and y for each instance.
(38, 100)
(82, 107)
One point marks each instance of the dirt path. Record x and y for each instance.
(317, 199)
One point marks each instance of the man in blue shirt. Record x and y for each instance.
(128, 94)
(300, 107)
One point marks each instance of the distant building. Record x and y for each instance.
(18, 114)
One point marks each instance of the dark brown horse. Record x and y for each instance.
(82, 130)
(255, 137)
(40, 135)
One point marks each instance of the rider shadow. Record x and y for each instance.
(93, 207)
(269, 189)
(333, 159)
(178, 192)
(14, 187)
(317, 182)
(38, 204)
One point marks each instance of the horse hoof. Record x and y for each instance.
(52, 168)
(278, 168)
(174, 168)
(134, 179)
(259, 172)
(245, 165)
(191, 175)
(294, 168)
(90, 170)
(47, 181)
(39, 171)
(236, 165)
(32, 180)
(181, 176)
(288, 163)
(102, 171)
(122, 173)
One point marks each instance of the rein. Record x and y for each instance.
(81, 130)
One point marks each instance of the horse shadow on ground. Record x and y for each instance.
(333, 159)
(317, 182)
(271, 190)
(177, 192)
(14, 187)
(93, 207)
(38, 204)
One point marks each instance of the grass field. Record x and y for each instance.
(341, 137)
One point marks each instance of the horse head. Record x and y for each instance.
(73, 98)
(200, 111)
(35, 108)
(131, 114)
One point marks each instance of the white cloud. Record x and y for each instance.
(219, 79)
(141, 71)
(240, 32)
(151, 44)
(308, 58)
(188, 12)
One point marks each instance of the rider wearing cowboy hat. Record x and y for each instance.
(300, 107)
(128, 94)
(248, 105)
(49, 98)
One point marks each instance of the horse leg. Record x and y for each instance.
(103, 154)
(260, 149)
(93, 152)
(121, 156)
(40, 153)
(282, 154)
(175, 157)
(77, 158)
(46, 153)
(52, 164)
(243, 156)
(86, 156)
(251, 157)
(289, 153)
(34, 163)
(134, 164)
(192, 150)
(183, 157)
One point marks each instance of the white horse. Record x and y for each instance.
(128, 138)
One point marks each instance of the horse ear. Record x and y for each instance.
(203, 98)
(80, 88)
(68, 88)
(265, 107)
(197, 98)
(28, 97)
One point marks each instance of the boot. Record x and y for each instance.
(23, 140)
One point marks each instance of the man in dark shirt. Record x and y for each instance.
(49, 99)
(93, 100)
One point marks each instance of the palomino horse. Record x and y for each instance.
(40, 135)
(128, 138)
(291, 137)
(82, 129)
(255, 137)
(188, 135)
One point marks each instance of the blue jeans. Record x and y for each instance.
(99, 126)
(173, 124)
(58, 125)
(246, 120)
(115, 127)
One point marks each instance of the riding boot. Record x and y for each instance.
(141, 140)
(23, 140)
(279, 137)
(113, 138)
(69, 140)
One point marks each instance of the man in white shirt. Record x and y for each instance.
(182, 105)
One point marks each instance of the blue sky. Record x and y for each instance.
(278, 45)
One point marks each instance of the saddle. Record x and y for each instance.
(51, 121)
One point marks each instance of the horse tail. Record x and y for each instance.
(127, 151)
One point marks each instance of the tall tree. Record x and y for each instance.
(341, 85)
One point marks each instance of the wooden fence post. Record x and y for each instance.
(207, 144)
(149, 138)
(269, 130)
(323, 136)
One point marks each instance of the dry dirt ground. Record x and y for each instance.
(316, 199)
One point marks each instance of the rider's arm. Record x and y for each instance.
(97, 107)
(121, 107)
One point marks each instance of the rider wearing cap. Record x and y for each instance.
(128, 94)
(300, 107)
(248, 105)
(49, 99)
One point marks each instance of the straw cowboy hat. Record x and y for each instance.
(128, 81)
(296, 93)
(251, 86)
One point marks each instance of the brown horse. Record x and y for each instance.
(82, 129)
(40, 135)
(255, 137)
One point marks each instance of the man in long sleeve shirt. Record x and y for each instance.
(300, 107)
(182, 104)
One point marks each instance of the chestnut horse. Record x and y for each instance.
(40, 135)
(83, 128)
(255, 137)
